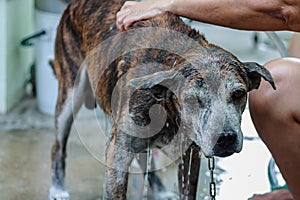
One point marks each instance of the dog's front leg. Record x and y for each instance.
(188, 173)
(118, 161)
(158, 189)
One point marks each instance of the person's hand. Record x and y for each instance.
(281, 194)
(133, 11)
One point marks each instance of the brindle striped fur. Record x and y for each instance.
(85, 24)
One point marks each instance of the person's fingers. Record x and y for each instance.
(127, 23)
(132, 12)
(119, 21)
(122, 18)
(281, 194)
(125, 18)
(123, 15)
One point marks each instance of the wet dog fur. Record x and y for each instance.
(214, 90)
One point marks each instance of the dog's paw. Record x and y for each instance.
(166, 195)
(58, 194)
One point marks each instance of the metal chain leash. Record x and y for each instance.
(212, 184)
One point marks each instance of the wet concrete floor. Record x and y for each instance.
(26, 140)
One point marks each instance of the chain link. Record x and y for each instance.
(212, 184)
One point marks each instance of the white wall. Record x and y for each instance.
(2, 56)
(16, 22)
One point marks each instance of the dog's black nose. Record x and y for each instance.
(225, 145)
(226, 140)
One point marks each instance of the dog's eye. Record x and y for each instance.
(238, 94)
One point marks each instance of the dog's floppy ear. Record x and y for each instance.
(255, 72)
(151, 80)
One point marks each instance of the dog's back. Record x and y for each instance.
(82, 22)
(85, 24)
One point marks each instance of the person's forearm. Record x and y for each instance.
(240, 14)
(264, 15)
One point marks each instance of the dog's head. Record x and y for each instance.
(211, 95)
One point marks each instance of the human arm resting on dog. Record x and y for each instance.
(261, 15)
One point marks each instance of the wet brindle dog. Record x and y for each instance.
(164, 85)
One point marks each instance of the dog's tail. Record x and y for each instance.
(51, 63)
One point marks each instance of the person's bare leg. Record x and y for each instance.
(294, 47)
(276, 116)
